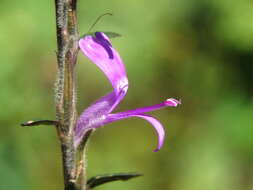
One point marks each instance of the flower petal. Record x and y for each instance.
(158, 127)
(139, 113)
(156, 124)
(94, 116)
(99, 50)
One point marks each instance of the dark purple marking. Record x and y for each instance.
(99, 38)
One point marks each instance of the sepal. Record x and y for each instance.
(108, 34)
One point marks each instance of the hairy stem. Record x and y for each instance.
(65, 94)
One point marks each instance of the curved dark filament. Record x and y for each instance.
(96, 21)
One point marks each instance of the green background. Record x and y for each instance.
(198, 51)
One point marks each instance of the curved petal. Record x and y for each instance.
(153, 121)
(99, 50)
(158, 127)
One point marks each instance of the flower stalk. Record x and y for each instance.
(65, 90)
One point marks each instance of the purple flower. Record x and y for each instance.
(99, 50)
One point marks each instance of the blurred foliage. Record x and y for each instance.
(197, 50)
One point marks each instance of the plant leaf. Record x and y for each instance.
(39, 122)
(101, 179)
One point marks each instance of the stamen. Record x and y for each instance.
(172, 102)
(96, 21)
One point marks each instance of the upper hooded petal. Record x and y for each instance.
(99, 50)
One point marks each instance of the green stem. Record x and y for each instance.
(65, 94)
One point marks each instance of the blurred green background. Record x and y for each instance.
(195, 50)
